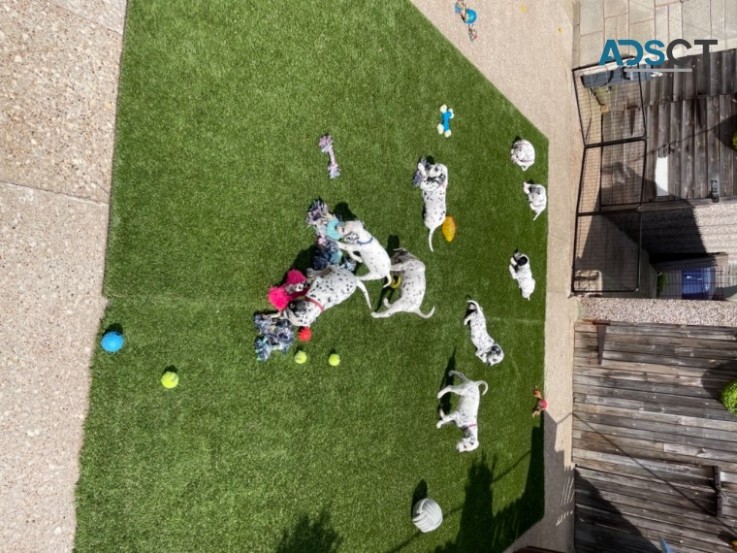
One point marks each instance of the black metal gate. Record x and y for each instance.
(608, 240)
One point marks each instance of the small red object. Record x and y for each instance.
(304, 334)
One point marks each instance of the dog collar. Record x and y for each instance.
(313, 301)
(366, 242)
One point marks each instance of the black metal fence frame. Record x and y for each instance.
(577, 72)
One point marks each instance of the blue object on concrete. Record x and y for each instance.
(470, 17)
(112, 341)
(697, 284)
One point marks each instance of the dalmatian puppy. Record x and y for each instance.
(536, 196)
(329, 288)
(466, 414)
(486, 348)
(523, 154)
(364, 248)
(412, 289)
(519, 268)
(432, 179)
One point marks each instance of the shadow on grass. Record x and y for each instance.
(419, 494)
(344, 213)
(480, 528)
(310, 536)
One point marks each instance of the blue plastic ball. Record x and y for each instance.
(112, 341)
(470, 17)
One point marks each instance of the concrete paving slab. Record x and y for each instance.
(616, 27)
(592, 16)
(730, 20)
(675, 23)
(615, 7)
(641, 10)
(717, 18)
(696, 19)
(661, 25)
(107, 13)
(642, 31)
(57, 102)
(51, 266)
(592, 47)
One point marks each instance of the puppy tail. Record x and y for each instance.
(426, 315)
(486, 386)
(429, 239)
(537, 214)
(362, 286)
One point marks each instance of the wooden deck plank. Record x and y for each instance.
(594, 421)
(649, 190)
(604, 540)
(700, 152)
(618, 487)
(729, 72)
(671, 418)
(634, 381)
(615, 337)
(660, 403)
(628, 506)
(726, 128)
(676, 331)
(646, 452)
(666, 470)
(656, 359)
(687, 146)
(709, 335)
(674, 148)
(715, 74)
(683, 535)
(667, 435)
(713, 145)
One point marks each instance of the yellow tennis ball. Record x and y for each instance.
(169, 379)
(300, 357)
(334, 359)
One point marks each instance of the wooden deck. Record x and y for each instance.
(655, 451)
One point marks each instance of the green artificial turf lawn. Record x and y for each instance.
(221, 106)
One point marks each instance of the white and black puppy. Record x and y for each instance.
(329, 287)
(432, 179)
(487, 349)
(521, 271)
(523, 154)
(412, 289)
(364, 248)
(465, 415)
(537, 197)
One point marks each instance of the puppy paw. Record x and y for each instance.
(438, 424)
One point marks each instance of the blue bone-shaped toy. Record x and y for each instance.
(447, 114)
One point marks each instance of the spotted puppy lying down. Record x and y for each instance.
(330, 287)
(537, 197)
(412, 289)
(466, 413)
(519, 268)
(486, 348)
(364, 248)
(432, 179)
